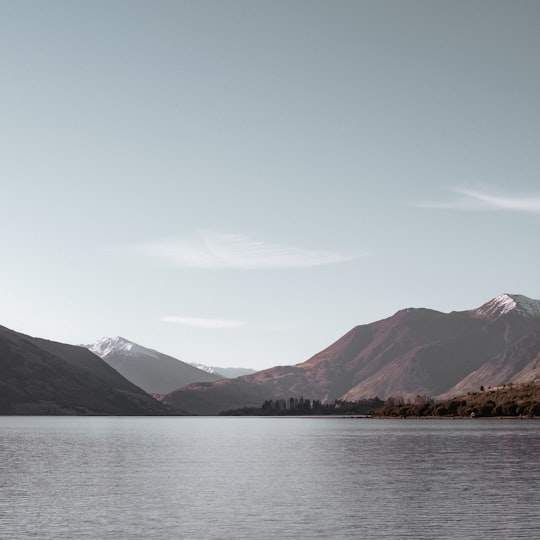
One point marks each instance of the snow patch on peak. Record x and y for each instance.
(500, 305)
(505, 303)
(202, 367)
(105, 346)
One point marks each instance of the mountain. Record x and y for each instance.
(154, 372)
(45, 377)
(227, 372)
(415, 351)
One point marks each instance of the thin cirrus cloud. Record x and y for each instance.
(196, 322)
(468, 199)
(218, 250)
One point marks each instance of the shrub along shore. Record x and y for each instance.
(509, 400)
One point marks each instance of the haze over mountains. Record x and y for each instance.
(415, 351)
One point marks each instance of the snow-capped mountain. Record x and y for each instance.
(105, 346)
(202, 367)
(154, 372)
(227, 372)
(506, 303)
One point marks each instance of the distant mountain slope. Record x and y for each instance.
(415, 351)
(233, 372)
(46, 377)
(212, 398)
(227, 372)
(154, 372)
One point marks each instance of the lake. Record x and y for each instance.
(268, 478)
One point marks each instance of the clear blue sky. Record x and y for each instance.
(239, 183)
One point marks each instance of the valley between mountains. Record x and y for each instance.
(416, 351)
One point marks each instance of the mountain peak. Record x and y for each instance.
(106, 345)
(505, 303)
(154, 372)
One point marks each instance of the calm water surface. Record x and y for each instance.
(268, 478)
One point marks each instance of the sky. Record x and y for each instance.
(240, 183)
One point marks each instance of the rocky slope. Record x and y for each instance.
(415, 351)
(45, 377)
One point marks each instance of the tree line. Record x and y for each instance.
(301, 406)
(507, 400)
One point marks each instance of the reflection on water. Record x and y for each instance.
(261, 478)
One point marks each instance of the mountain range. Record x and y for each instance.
(154, 372)
(416, 351)
(46, 377)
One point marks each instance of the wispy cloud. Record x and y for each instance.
(469, 199)
(197, 322)
(218, 250)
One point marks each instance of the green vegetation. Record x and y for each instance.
(306, 407)
(509, 400)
